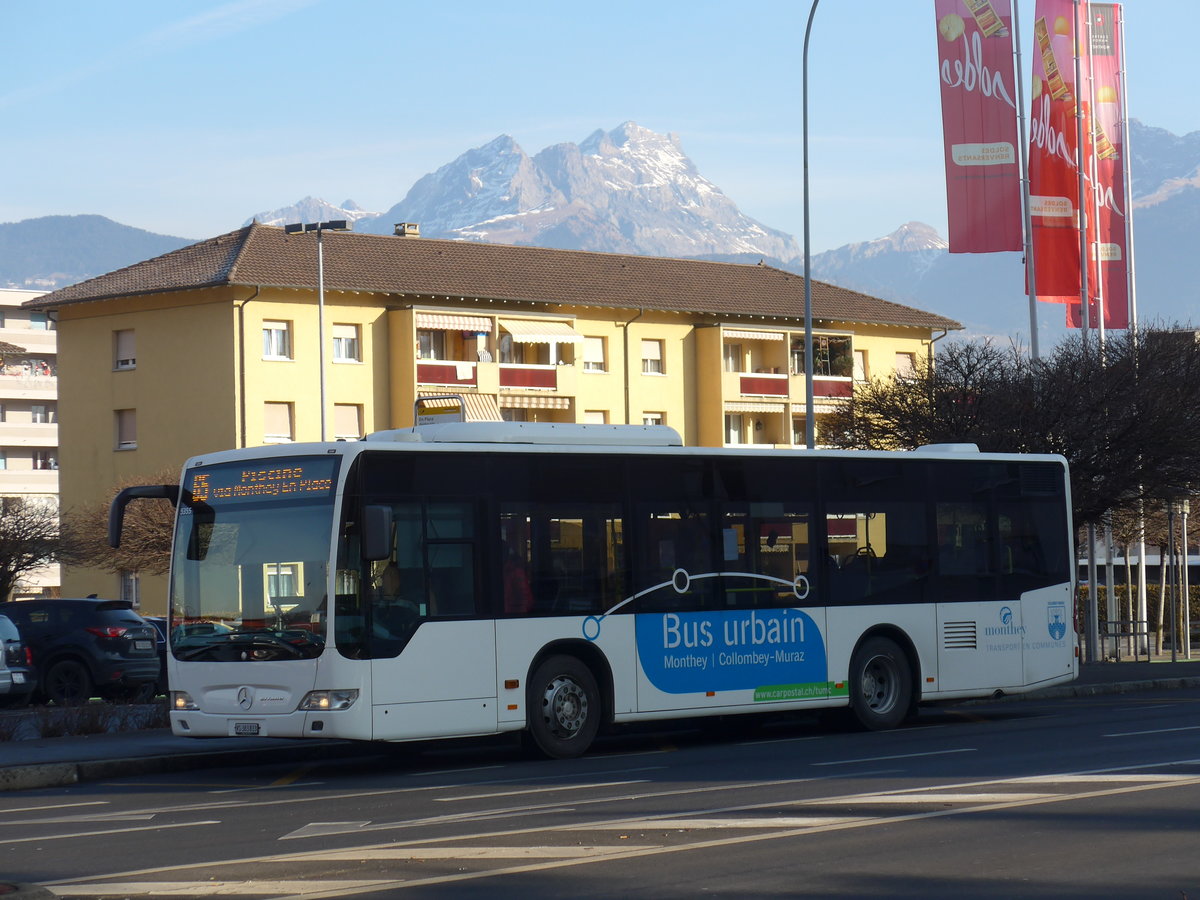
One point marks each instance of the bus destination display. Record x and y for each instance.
(297, 478)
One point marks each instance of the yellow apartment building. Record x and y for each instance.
(222, 344)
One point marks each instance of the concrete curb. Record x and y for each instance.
(13, 889)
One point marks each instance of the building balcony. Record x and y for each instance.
(28, 481)
(35, 342)
(16, 385)
(447, 373)
(529, 377)
(28, 434)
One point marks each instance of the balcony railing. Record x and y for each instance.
(764, 384)
(448, 372)
(514, 375)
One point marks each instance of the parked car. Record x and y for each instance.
(161, 642)
(89, 647)
(16, 673)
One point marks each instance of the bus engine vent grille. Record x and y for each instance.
(959, 636)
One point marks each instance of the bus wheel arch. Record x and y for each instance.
(568, 697)
(884, 679)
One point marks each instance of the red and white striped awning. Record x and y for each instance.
(441, 322)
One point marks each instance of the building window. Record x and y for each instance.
(3, 413)
(431, 344)
(733, 358)
(126, 428)
(124, 349)
(906, 365)
(131, 587)
(860, 365)
(39, 321)
(277, 340)
(44, 459)
(346, 344)
(283, 579)
(3, 458)
(512, 414)
(593, 355)
(347, 421)
(38, 414)
(653, 418)
(278, 423)
(652, 357)
(595, 417)
(2, 321)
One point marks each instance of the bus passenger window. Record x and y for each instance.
(878, 552)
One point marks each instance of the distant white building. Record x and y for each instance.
(29, 416)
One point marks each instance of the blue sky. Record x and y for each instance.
(186, 118)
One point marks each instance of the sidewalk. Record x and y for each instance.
(53, 762)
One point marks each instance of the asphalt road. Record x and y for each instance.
(1064, 798)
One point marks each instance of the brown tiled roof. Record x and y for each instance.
(265, 256)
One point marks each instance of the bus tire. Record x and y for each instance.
(564, 707)
(881, 692)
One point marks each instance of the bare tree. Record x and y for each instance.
(145, 537)
(29, 540)
(1126, 416)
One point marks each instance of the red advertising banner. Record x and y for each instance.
(1053, 175)
(979, 125)
(1108, 284)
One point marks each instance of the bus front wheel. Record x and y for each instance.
(880, 684)
(564, 707)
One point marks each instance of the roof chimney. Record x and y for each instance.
(407, 229)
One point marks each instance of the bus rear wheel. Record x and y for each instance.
(881, 690)
(564, 707)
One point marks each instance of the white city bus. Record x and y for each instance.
(475, 578)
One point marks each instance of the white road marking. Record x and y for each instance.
(578, 852)
(77, 887)
(88, 834)
(936, 797)
(699, 824)
(541, 790)
(850, 762)
(1099, 779)
(1152, 731)
(18, 809)
(215, 888)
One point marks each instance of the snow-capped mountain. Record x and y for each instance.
(312, 209)
(629, 190)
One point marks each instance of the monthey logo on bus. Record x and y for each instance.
(778, 653)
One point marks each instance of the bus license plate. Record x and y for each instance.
(248, 728)
(143, 645)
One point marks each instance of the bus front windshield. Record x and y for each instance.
(250, 560)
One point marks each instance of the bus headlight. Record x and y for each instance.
(326, 700)
(181, 700)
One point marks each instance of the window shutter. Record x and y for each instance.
(277, 420)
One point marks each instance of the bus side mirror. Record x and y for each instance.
(376, 532)
(116, 510)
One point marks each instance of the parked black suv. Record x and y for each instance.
(88, 647)
(16, 676)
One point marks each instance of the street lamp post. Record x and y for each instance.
(810, 425)
(320, 228)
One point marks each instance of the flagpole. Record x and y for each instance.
(1143, 613)
(1094, 169)
(1026, 213)
(1081, 201)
